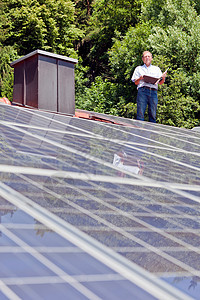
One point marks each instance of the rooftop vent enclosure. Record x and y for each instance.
(45, 81)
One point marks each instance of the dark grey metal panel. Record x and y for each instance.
(66, 88)
(18, 89)
(31, 82)
(47, 83)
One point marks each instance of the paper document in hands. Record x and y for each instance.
(149, 79)
(153, 80)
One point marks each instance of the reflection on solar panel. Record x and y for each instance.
(93, 210)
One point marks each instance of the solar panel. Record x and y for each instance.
(93, 210)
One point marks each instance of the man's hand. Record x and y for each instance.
(163, 77)
(137, 81)
(164, 74)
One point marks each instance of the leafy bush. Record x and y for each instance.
(7, 55)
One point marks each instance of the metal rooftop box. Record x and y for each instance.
(45, 80)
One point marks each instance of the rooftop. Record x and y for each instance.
(97, 210)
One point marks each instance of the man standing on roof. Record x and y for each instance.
(147, 92)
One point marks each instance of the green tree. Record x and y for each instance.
(179, 44)
(100, 97)
(108, 17)
(7, 55)
(83, 11)
(39, 24)
(176, 106)
(196, 5)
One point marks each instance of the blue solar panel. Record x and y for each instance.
(94, 210)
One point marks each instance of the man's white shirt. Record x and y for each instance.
(152, 71)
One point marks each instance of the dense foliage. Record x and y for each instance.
(108, 38)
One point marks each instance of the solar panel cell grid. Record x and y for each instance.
(40, 263)
(132, 192)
